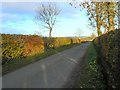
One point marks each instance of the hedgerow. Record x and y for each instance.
(21, 46)
(108, 47)
(12, 48)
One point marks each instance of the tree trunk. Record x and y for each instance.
(97, 20)
(98, 29)
(50, 32)
(111, 15)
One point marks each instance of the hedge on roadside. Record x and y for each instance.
(20, 46)
(60, 41)
(108, 48)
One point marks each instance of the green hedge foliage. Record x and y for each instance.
(12, 48)
(108, 46)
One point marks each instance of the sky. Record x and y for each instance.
(18, 18)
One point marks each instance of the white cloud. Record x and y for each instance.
(17, 22)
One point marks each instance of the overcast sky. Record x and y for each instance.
(18, 18)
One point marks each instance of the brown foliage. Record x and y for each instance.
(33, 45)
(18, 46)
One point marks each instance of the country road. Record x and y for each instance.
(51, 72)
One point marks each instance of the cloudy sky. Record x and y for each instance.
(18, 18)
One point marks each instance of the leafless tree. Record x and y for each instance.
(46, 15)
(100, 14)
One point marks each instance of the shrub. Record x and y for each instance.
(11, 48)
(33, 45)
(18, 46)
(108, 46)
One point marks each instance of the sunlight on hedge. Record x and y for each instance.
(20, 46)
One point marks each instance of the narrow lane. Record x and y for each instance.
(50, 72)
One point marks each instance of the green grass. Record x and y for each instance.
(18, 63)
(90, 76)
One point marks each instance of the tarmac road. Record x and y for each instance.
(51, 72)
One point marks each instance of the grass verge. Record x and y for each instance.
(90, 76)
(18, 63)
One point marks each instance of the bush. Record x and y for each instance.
(32, 45)
(11, 48)
(18, 46)
(108, 46)
(61, 42)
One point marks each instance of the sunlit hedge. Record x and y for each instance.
(32, 45)
(61, 41)
(20, 46)
(12, 47)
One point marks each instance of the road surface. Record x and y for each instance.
(51, 72)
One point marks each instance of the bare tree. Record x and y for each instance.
(46, 15)
(93, 11)
(100, 14)
(110, 12)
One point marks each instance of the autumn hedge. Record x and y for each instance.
(20, 46)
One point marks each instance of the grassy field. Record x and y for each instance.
(90, 76)
(16, 64)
